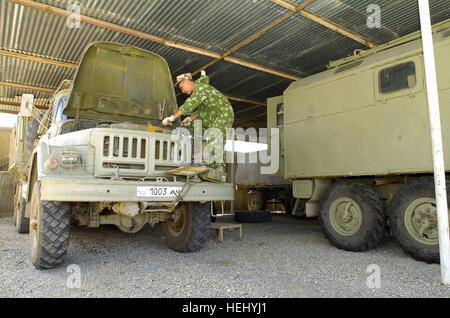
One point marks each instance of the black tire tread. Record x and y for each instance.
(55, 230)
(195, 234)
(373, 199)
(201, 231)
(22, 223)
(396, 220)
(261, 198)
(252, 216)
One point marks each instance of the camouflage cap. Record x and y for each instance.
(183, 77)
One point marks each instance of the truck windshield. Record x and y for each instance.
(58, 109)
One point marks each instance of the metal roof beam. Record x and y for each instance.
(71, 65)
(248, 124)
(304, 5)
(4, 111)
(4, 103)
(38, 59)
(29, 87)
(254, 121)
(335, 27)
(245, 100)
(51, 90)
(321, 20)
(286, 4)
(246, 109)
(121, 29)
(264, 69)
(246, 41)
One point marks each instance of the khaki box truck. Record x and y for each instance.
(356, 145)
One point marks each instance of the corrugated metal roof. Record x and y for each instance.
(398, 18)
(12, 95)
(297, 46)
(31, 73)
(209, 24)
(300, 46)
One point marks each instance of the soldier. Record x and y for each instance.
(210, 105)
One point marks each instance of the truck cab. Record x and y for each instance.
(100, 156)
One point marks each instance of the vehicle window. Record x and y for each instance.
(280, 115)
(54, 111)
(59, 109)
(397, 77)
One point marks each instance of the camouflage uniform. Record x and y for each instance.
(213, 109)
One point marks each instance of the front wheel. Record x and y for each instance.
(49, 230)
(188, 230)
(352, 216)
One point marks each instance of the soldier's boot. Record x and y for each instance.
(215, 175)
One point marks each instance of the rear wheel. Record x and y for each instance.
(352, 216)
(49, 230)
(413, 219)
(255, 201)
(21, 222)
(189, 229)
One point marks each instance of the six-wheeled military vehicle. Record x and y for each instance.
(100, 156)
(355, 142)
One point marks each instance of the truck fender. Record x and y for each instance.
(313, 190)
(40, 153)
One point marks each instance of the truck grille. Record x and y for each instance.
(139, 154)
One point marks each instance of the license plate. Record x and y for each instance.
(158, 191)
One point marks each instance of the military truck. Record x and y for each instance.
(257, 194)
(99, 156)
(356, 145)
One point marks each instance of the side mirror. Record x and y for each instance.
(26, 106)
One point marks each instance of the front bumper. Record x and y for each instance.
(105, 190)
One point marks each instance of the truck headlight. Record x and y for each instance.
(76, 160)
(69, 158)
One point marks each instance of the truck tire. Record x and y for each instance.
(21, 222)
(189, 230)
(255, 201)
(352, 216)
(252, 216)
(49, 230)
(31, 135)
(413, 219)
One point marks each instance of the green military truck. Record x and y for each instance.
(99, 156)
(356, 145)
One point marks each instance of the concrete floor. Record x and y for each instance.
(285, 258)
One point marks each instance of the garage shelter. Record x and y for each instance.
(251, 49)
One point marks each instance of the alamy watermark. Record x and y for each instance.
(374, 18)
(374, 279)
(73, 281)
(74, 20)
(209, 146)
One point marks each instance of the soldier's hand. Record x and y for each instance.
(186, 122)
(168, 120)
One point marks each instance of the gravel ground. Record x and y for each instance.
(285, 258)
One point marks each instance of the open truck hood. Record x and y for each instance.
(117, 82)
